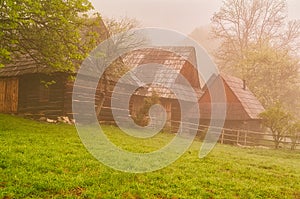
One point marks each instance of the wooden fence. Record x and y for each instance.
(244, 138)
(239, 137)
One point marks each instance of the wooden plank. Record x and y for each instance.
(245, 139)
(222, 137)
(2, 94)
(9, 95)
(14, 95)
(237, 137)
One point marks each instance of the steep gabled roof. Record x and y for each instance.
(241, 102)
(249, 102)
(173, 58)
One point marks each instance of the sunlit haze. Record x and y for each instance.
(180, 15)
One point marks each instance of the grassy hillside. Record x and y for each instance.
(40, 160)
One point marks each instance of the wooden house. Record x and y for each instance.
(243, 108)
(22, 89)
(41, 91)
(178, 62)
(37, 90)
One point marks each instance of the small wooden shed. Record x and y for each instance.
(38, 91)
(243, 107)
(26, 88)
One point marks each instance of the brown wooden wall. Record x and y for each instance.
(235, 110)
(85, 97)
(191, 75)
(9, 95)
(39, 100)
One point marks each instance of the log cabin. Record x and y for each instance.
(22, 89)
(37, 90)
(179, 63)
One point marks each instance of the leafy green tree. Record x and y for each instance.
(259, 45)
(272, 74)
(279, 121)
(49, 32)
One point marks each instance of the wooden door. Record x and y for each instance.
(9, 95)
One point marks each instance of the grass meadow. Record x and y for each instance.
(39, 160)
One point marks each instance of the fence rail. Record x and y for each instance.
(246, 138)
(239, 137)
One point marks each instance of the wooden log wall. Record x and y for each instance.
(38, 100)
(9, 95)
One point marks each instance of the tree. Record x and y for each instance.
(142, 115)
(125, 40)
(49, 32)
(295, 134)
(202, 35)
(240, 24)
(271, 74)
(279, 121)
(260, 46)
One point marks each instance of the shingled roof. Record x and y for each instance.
(173, 59)
(172, 56)
(24, 65)
(249, 102)
(241, 103)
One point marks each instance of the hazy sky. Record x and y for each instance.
(180, 15)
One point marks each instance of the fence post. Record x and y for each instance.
(222, 137)
(237, 137)
(245, 138)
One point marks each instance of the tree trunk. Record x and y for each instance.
(276, 144)
(100, 104)
(294, 142)
(293, 147)
(103, 95)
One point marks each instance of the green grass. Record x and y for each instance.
(39, 160)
